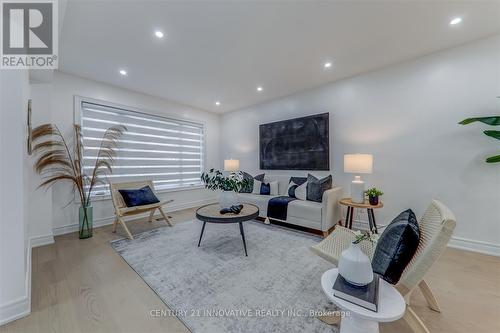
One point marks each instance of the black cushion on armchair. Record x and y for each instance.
(139, 197)
(396, 246)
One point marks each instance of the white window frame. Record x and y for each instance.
(167, 116)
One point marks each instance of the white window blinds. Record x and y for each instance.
(167, 151)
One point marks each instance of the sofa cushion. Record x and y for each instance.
(316, 187)
(249, 178)
(306, 210)
(258, 200)
(396, 246)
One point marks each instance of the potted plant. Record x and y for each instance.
(229, 185)
(373, 194)
(492, 121)
(55, 162)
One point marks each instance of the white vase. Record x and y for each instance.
(355, 266)
(228, 199)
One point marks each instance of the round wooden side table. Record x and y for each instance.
(366, 205)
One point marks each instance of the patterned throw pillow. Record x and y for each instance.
(396, 246)
(301, 192)
(293, 183)
(249, 187)
(316, 187)
(291, 189)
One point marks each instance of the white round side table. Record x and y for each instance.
(391, 306)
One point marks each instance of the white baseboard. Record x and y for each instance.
(109, 220)
(41, 240)
(455, 242)
(21, 307)
(14, 310)
(475, 246)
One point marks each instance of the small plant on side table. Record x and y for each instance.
(373, 194)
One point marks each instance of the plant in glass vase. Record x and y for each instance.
(229, 185)
(56, 162)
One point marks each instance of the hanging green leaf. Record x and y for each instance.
(493, 159)
(493, 134)
(493, 121)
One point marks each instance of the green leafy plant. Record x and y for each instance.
(365, 235)
(215, 180)
(374, 192)
(492, 121)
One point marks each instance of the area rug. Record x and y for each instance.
(215, 288)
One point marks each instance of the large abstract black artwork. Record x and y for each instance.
(295, 144)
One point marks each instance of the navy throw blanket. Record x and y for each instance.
(277, 207)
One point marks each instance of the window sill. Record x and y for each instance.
(170, 190)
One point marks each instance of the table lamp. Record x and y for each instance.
(231, 165)
(357, 164)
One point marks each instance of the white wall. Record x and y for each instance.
(63, 89)
(39, 214)
(14, 255)
(406, 116)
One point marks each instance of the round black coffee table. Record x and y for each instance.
(211, 214)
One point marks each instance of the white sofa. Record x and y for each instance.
(315, 215)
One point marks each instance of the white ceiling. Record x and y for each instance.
(222, 50)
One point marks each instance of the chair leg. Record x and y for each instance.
(126, 229)
(167, 220)
(429, 296)
(151, 215)
(414, 321)
(115, 223)
(267, 221)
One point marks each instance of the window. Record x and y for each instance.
(165, 150)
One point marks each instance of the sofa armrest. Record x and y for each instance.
(331, 212)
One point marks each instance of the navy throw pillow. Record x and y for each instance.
(249, 187)
(291, 191)
(396, 246)
(316, 187)
(265, 189)
(298, 180)
(140, 197)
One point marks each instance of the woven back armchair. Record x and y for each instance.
(122, 211)
(436, 227)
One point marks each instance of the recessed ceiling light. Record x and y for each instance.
(159, 34)
(327, 64)
(123, 72)
(217, 103)
(456, 21)
(260, 89)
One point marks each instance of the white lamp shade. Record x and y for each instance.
(358, 163)
(231, 165)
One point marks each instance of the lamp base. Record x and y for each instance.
(358, 190)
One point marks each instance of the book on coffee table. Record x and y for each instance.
(364, 296)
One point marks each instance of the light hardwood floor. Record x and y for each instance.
(84, 286)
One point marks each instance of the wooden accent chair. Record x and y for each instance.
(436, 227)
(121, 210)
